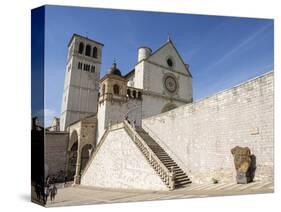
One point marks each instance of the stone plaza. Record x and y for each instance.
(83, 195)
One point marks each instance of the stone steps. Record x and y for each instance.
(166, 160)
(181, 179)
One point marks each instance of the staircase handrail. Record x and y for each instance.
(159, 141)
(169, 176)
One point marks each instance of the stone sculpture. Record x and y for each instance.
(243, 162)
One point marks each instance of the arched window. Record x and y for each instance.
(116, 89)
(81, 48)
(88, 50)
(80, 65)
(95, 52)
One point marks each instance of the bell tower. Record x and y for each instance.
(81, 84)
(113, 99)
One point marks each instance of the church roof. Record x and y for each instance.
(170, 41)
(114, 70)
(157, 50)
(83, 37)
(130, 73)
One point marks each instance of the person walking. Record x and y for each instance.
(46, 194)
(53, 192)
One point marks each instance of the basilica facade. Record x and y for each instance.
(159, 81)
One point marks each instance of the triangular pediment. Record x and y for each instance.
(169, 51)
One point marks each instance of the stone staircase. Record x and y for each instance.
(181, 179)
(167, 169)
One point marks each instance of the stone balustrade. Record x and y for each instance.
(110, 97)
(166, 175)
(134, 93)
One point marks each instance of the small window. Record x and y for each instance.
(93, 68)
(80, 65)
(88, 50)
(81, 48)
(170, 62)
(95, 52)
(116, 89)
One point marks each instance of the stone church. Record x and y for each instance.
(142, 130)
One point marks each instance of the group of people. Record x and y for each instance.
(46, 189)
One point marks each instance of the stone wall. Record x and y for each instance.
(134, 111)
(120, 164)
(200, 135)
(55, 153)
(152, 105)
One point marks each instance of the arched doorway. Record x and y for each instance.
(72, 156)
(85, 155)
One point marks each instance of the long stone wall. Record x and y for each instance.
(200, 135)
(55, 154)
(120, 164)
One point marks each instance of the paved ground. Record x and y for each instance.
(81, 195)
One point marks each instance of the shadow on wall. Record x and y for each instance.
(252, 168)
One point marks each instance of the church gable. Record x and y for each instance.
(168, 56)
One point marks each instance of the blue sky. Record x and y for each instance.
(221, 51)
